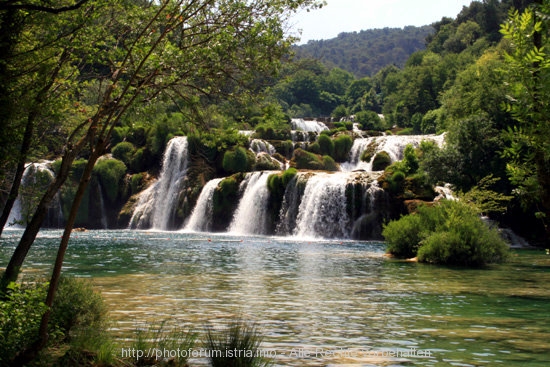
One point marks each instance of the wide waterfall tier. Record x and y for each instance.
(36, 178)
(393, 145)
(313, 205)
(157, 205)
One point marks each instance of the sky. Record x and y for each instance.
(355, 15)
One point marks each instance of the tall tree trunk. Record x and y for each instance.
(14, 191)
(43, 336)
(38, 101)
(18, 257)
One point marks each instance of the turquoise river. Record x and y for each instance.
(318, 303)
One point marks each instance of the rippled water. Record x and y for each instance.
(308, 296)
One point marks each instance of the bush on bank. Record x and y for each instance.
(78, 321)
(450, 232)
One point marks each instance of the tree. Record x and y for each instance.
(528, 74)
(30, 72)
(179, 48)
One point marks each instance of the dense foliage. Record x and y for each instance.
(364, 53)
(449, 232)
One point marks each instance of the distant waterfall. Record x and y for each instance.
(36, 178)
(322, 211)
(157, 205)
(104, 224)
(251, 214)
(308, 125)
(394, 145)
(261, 146)
(201, 217)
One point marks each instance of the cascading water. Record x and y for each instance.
(251, 214)
(261, 146)
(36, 178)
(157, 205)
(394, 145)
(308, 125)
(264, 152)
(290, 205)
(322, 211)
(102, 209)
(201, 217)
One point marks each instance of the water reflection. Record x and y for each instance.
(331, 295)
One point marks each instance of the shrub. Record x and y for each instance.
(20, 315)
(284, 148)
(314, 148)
(381, 161)
(369, 120)
(235, 160)
(78, 317)
(403, 236)
(124, 152)
(326, 145)
(77, 307)
(448, 233)
(288, 175)
(342, 147)
(225, 200)
(265, 163)
(110, 173)
(306, 160)
(329, 164)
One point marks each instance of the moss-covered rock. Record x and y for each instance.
(225, 201)
(381, 161)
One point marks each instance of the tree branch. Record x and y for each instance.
(4, 6)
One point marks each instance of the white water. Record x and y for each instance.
(394, 145)
(251, 214)
(261, 146)
(104, 223)
(322, 211)
(29, 179)
(308, 125)
(157, 205)
(201, 217)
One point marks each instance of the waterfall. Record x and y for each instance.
(102, 209)
(308, 125)
(251, 214)
(261, 146)
(157, 205)
(289, 207)
(322, 211)
(16, 215)
(368, 225)
(354, 162)
(394, 145)
(36, 178)
(201, 217)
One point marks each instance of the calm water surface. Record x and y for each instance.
(342, 299)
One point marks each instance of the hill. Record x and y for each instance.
(364, 53)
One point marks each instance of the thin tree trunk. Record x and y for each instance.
(43, 336)
(14, 191)
(18, 257)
